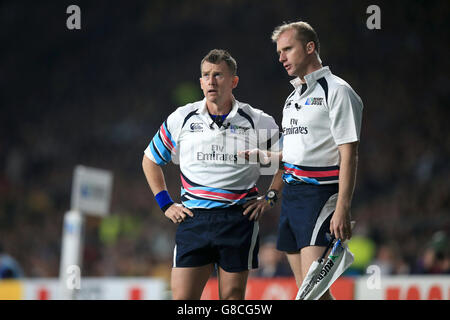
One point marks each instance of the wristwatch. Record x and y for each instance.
(271, 197)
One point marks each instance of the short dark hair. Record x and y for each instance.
(216, 56)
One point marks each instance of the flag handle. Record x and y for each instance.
(329, 245)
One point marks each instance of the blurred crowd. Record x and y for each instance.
(96, 97)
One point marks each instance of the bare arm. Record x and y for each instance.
(257, 208)
(340, 222)
(154, 175)
(277, 181)
(155, 178)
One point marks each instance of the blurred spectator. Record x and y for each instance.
(385, 260)
(9, 267)
(390, 260)
(435, 258)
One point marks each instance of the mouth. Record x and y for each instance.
(287, 66)
(212, 91)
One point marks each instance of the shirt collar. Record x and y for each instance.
(310, 78)
(234, 108)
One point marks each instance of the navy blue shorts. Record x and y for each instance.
(306, 211)
(221, 236)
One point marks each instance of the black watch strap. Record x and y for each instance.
(271, 197)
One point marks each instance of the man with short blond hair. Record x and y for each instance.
(304, 33)
(321, 128)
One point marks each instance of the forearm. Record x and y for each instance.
(277, 182)
(155, 178)
(347, 176)
(154, 175)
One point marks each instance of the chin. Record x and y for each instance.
(291, 73)
(212, 99)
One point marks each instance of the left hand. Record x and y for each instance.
(340, 225)
(256, 208)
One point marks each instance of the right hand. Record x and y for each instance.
(177, 213)
(257, 155)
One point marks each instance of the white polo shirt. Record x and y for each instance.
(212, 174)
(314, 123)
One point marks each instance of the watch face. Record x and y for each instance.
(271, 194)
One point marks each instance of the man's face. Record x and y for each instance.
(217, 82)
(292, 53)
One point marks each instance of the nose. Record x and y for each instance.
(282, 57)
(212, 80)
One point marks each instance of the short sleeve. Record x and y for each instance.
(163, 145)
(345, 115)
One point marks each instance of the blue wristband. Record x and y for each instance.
(164, 200)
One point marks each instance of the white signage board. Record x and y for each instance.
(91, 190)
(96, 288)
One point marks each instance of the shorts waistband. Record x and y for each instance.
(231, 210)
(298, 186)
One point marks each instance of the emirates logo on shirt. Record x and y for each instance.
(294, 128)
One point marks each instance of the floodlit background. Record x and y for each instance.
(96, 97)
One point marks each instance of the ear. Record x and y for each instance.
(310, 47)
(235, 81)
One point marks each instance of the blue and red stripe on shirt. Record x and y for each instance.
(295, 174)
(194, 195)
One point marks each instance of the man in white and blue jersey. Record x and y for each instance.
(204, 138)
(321, 130)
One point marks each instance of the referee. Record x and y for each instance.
(206, 135)
(321, 130)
